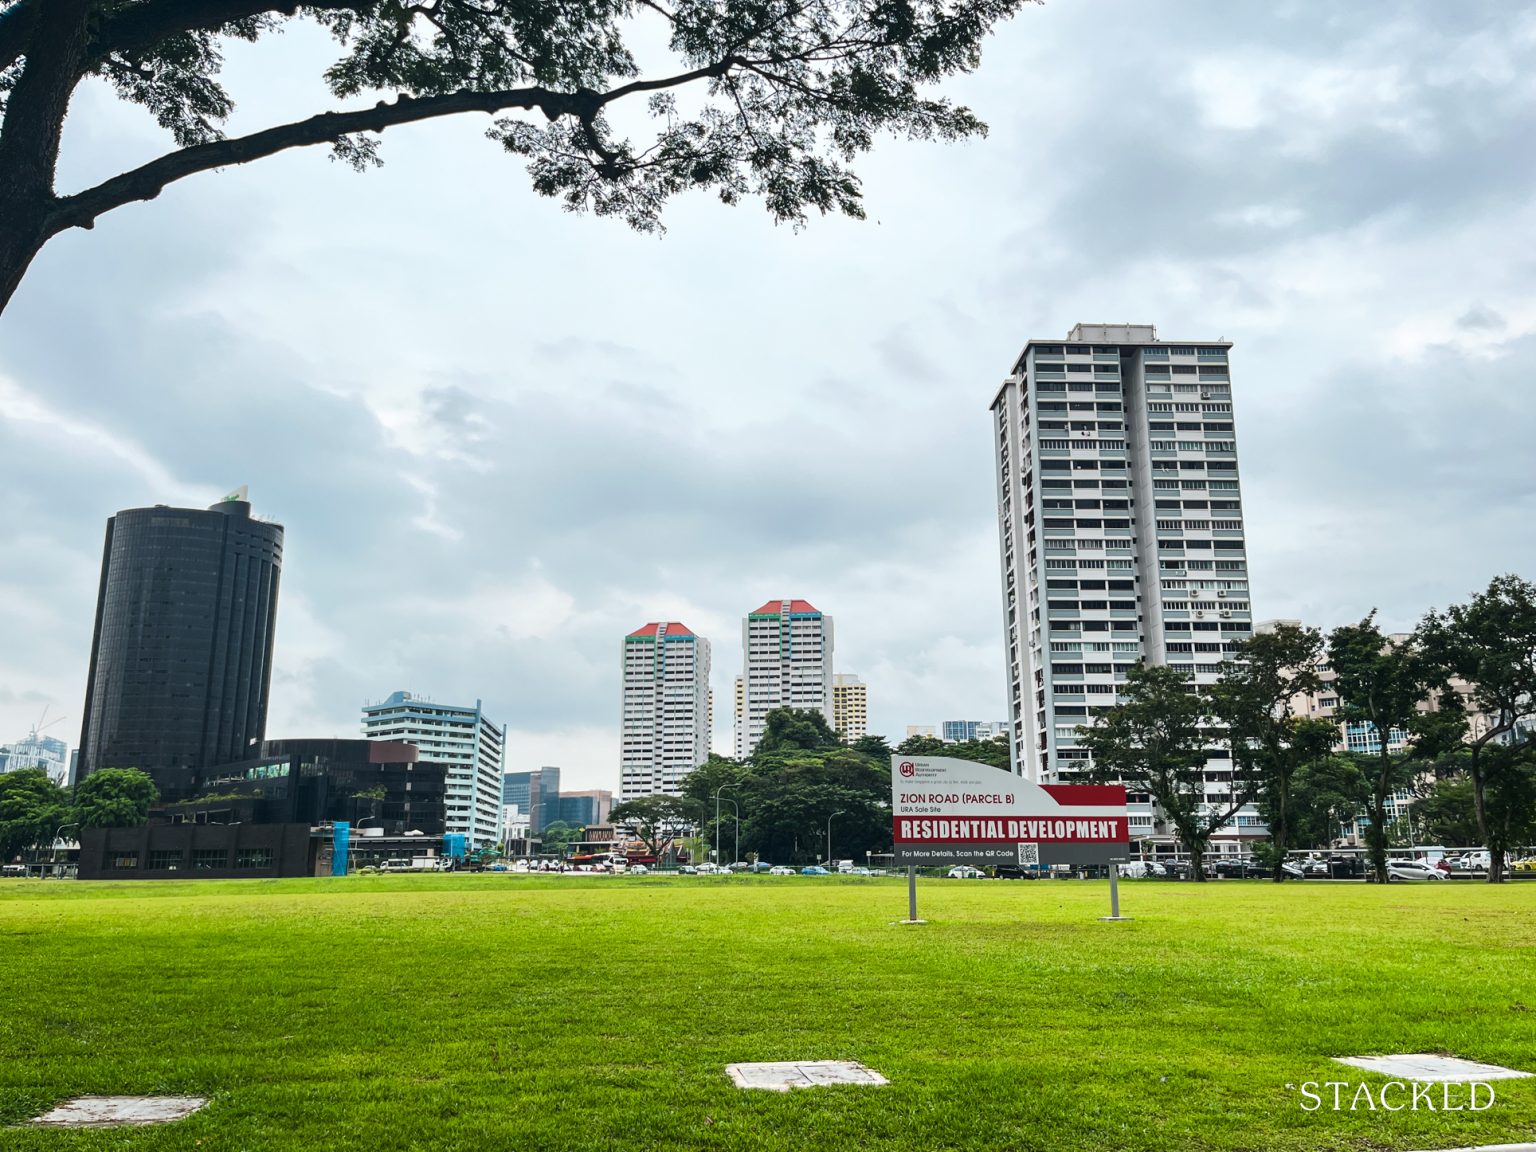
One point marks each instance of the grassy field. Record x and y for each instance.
(501, 1014)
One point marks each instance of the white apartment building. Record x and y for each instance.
(665, 710)
(961, 731)
(1121, 530)
(850, 707)
(462, 738)
(787, 648)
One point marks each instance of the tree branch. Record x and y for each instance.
(146, 25)
(16, 25)
(149, 180)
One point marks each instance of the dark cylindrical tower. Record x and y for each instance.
(181, 659)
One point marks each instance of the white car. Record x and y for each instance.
(780, 870)
(639, 870)
(965, 872)
(1412, 870)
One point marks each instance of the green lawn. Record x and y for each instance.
(497, 1013)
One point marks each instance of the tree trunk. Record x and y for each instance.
(1376, 837)
(21, 239)
(1280, 836)
(34, 123)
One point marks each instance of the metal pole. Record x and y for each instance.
(912, 892)
(1114, 894)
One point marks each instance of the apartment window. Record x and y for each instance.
(124, 861)
(253, 858)
(166, 859)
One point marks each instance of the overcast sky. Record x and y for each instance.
(500, 436)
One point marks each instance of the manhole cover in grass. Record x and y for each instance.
(787, 1074)
(1426, 1067)
(107, 1111)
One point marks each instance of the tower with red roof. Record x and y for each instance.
(787, 649)
(665, 720)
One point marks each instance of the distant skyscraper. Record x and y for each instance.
(35, 751)
(181, 656)
(459, 736)
(586, 808)
(1121, 531)
(665, 713)
(787, 648)
(536, 795)
(850, 707)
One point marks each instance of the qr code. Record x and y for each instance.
(1029, 853)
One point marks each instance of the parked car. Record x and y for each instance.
(639, 870)
(965, 872)
(1477, 860)
(687, 870)
(780, 870)
(1294, 870)
(814, 870)
(1412, 870)
(1017, 871)
(1526, 865)
(1346, 867)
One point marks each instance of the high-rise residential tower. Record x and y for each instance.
(665, 710)
(181, 656)
(1121, 530)
(459, 736)
(787, 647)
(850, 707)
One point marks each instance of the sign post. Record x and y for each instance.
(911, 897)
(949, 812)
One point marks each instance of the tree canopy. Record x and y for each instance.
(798, 779)
(1254, 702)
(114, 798)
(766, 98)
(657, 820)
(1383, 683)
(1155, 740)
(32, 807)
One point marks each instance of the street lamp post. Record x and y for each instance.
(735, 829)
(54, 843)
(830, 863)
(719, 790)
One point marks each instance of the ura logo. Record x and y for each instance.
(908, 768)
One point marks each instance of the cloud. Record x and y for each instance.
(500, 437)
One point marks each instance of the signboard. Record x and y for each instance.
(949, 811)
(341, 838)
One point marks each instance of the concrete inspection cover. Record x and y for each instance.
(108, 1111)
(1426, 1067)
(787, 1074)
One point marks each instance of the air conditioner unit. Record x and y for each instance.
(1225, 615)
(1199, 613)
(1205, 395)
(1221, 594)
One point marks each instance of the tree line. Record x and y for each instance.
(34, 810)
(1445, 711)
(779, 803)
